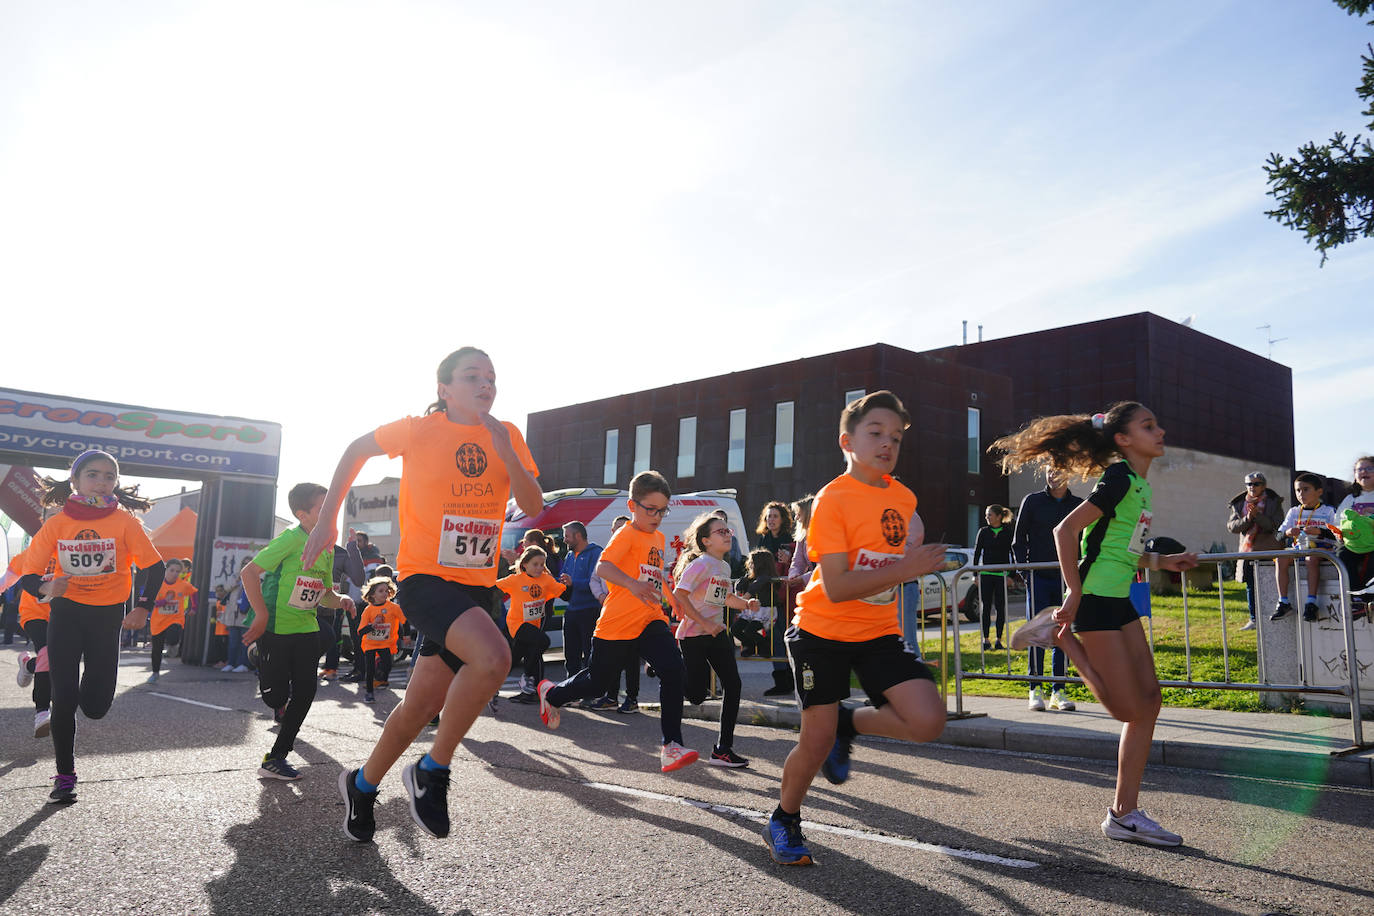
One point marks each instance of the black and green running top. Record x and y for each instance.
(1112, 545)
(290, 592)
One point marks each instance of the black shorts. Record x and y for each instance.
(432, 604)
(1099, 612)
(821, 667)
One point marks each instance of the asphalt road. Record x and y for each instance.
(172, 818)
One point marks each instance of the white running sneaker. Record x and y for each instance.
(674, 757)
(41, 726)
(1038, 631)
(1249, 624)
(1037, 700)
(24, 677)
(1061, 702)
(1138, 827)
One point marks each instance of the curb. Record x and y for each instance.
(1316, 767)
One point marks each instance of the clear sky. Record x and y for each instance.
(292, 210)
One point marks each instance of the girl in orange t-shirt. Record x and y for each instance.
(529, 590)
(379, 626)
(461, 466)
(33, 667)
(174, 601)
(93, 542)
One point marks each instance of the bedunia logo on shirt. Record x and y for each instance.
(477, 526)
(471, 460)
(868, 560)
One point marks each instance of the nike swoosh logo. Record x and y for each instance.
(420, 793)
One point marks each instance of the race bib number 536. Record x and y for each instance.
(469, 543)
(95, 557)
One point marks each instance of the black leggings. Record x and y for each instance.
(993, 591)
(1358, 566)
(527, 649)
(287, 676)
(83, 659)
(168, 637)
(655, 644)
(37, 632)
(376, 666)
(700, 654)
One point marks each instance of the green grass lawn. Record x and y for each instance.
(1205, 631)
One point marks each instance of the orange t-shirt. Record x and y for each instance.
(869, 525)
(527, 598)
(386, 620)
(220, 628)
(170, 606)
(638, 555)
(29, 607)
(454, 490)
(96, 553)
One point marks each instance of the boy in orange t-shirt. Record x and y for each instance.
(528, 590)
(864, 542)
(174, 602)
(633, 622)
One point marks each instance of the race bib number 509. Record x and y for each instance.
(94, 557)
(469, 543)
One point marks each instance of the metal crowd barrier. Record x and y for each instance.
(1349, 690)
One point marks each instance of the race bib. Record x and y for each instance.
(469, 543)
(534, 610)
(1141, 533)
(381, 631)
(716, 591)
(651, 574)
(86, 558)
(869, 560)
(306, 593)
(168, 608)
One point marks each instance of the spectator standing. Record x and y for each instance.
(993, 547)
(1256, 513)
(776, 532)
(579, 619)
(1032, 541)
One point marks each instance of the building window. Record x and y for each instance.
(609, 475)
(687, 447)
(851, 396)
(734, 463)
(975, 519)
(643, 432)
(975, 443)
(782, 437)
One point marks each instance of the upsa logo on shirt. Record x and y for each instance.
(894, 527)
(655, 557)
(536, 591)
(471, 459)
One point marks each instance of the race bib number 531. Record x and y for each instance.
(305, 594)
(95, 557)
(469, 543)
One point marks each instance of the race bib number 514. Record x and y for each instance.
(95, 557)
(469, 543)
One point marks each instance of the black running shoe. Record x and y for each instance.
(428, 790)
(359, 823)
(63, 789)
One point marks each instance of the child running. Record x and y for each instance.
(1107, 645)
(380, 629)
(460, 465)
(33, 667)
(633, 624)
(528, 590)
(91, 543)
(284, 593)
(169, 614)
(847, 619)
(703, 593)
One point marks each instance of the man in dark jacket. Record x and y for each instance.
(1256, 514)
(1033, 542)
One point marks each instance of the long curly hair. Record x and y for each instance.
(1071, 443)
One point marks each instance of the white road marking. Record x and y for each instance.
(821, 828)
(168, 696)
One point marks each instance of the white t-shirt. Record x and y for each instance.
(1363, 504)
(706, 580)
(1299, 517)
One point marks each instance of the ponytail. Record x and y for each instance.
(1074, 443)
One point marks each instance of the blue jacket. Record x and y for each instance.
(579, 568)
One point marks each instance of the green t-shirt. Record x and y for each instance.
(290, 592)
(1112, 545)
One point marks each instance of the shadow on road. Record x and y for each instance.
(16, 865)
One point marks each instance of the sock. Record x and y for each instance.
(429, 763)
(845, 728)
(362, 784)
(783, 815)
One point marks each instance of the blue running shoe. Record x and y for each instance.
(835, 767)
(785, 841)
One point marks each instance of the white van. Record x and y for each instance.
(597, 507)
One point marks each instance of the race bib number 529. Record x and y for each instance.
(95, 557)
(469, 543)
